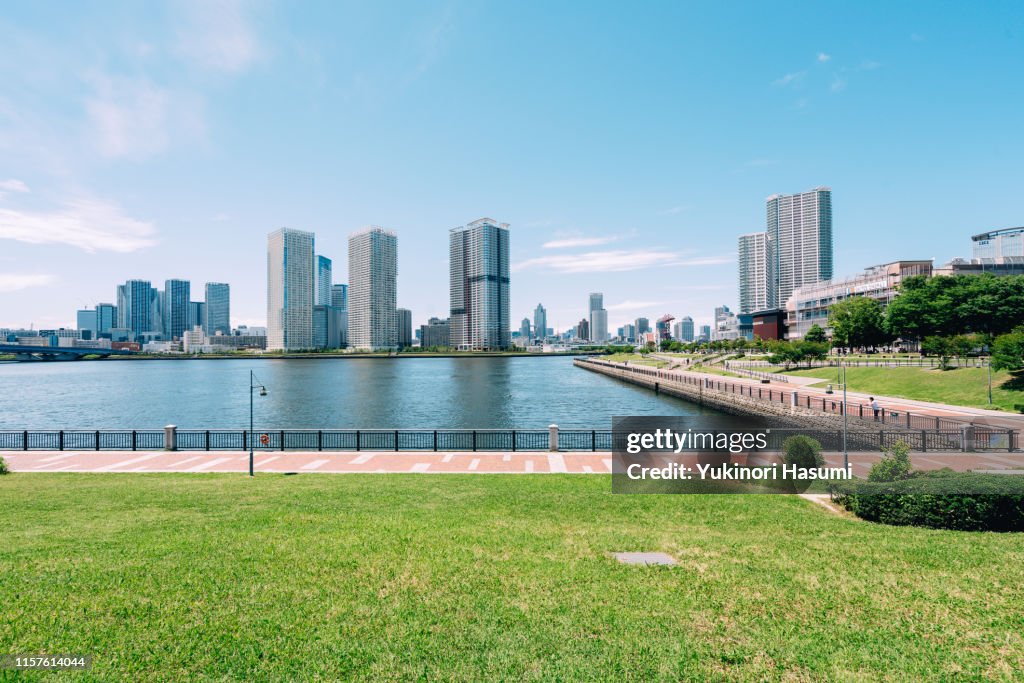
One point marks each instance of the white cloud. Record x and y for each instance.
(568, 242)
(89, 224)
(13, 282)
(790, 79)
(218, 34)
(12, 185)
(822, 57)
(616, 261)
(135, 118)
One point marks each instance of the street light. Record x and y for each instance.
(263, 392)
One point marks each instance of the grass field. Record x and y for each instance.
(634, 359)
(960, 387)
(477, 577)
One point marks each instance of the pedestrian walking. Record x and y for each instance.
(876, 408)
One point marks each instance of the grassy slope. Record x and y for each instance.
(473, 577)
(962, 386)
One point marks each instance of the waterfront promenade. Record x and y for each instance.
(424, 462)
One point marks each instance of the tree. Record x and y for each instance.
(816, 334)
(937, 346)
(1008, 351)
(858, 322)
(894, 465)
(957, 304)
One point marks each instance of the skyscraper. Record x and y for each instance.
(106, 318)
(540, 322)
(176, 308)
(134, 300)
(87, 323)
(372, 289)
(598, 318)
(218, 309)
(403, 319)
(322, 288)
(755, 272)
(196, 315)
(339, 297)
(643, 326)
(799, 227)
(290, 289)
(524, 329)
(480, 286)
(686, 329)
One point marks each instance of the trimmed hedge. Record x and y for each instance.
(3, 466)
(964, 501)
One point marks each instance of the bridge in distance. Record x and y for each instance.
(42, 353)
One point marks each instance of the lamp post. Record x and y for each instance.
(263, 392)
(990, 378)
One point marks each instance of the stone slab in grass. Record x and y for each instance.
(645, 558)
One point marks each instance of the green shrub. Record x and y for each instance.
(964, 501)
(803, 451)
(894, 465)
(3, 467)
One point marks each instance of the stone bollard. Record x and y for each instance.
(794, 401)
(552, 437)
(170, 438)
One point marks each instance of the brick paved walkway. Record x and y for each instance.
(415, 461)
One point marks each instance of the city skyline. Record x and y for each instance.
(132, 148)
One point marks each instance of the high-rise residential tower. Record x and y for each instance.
(540, 322)
(686, 329)
(176, 301)
(372, 289)
(217, 312)
(524, 329)
(339, 302)
(799, 227)
(290, 274)
(480, 286)
(755, 272)
(322, 288)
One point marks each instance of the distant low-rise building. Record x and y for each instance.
(809, 305)
(436, 333)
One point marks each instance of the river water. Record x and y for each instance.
(324, 393)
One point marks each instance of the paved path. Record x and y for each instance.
(997, 418)
(422, 462)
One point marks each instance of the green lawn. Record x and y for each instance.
(961, 386)
(634, 359)
(477, 577)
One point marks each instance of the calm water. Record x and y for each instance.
(408, 393)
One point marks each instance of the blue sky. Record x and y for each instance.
(628, 145)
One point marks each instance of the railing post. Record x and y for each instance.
(170, 438)
(474, 440)
(319, 439)
(24, 440)
(135, 439)
(908, 419)
(357, 440)
(245, 440)
(513, 441)
(207, 439)
(924, 441)
(282, 440)
(396, 439)
(593, 439)
(435, 439)
(553, 437)
(963, 439)
(60, 440)
(97, 439)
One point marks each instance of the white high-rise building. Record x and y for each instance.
(480, 286)
(799, 227)
(290, 290)
(755, 272)
(598, 318)
(372, 289)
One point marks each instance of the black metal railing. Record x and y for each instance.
(929, 437)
